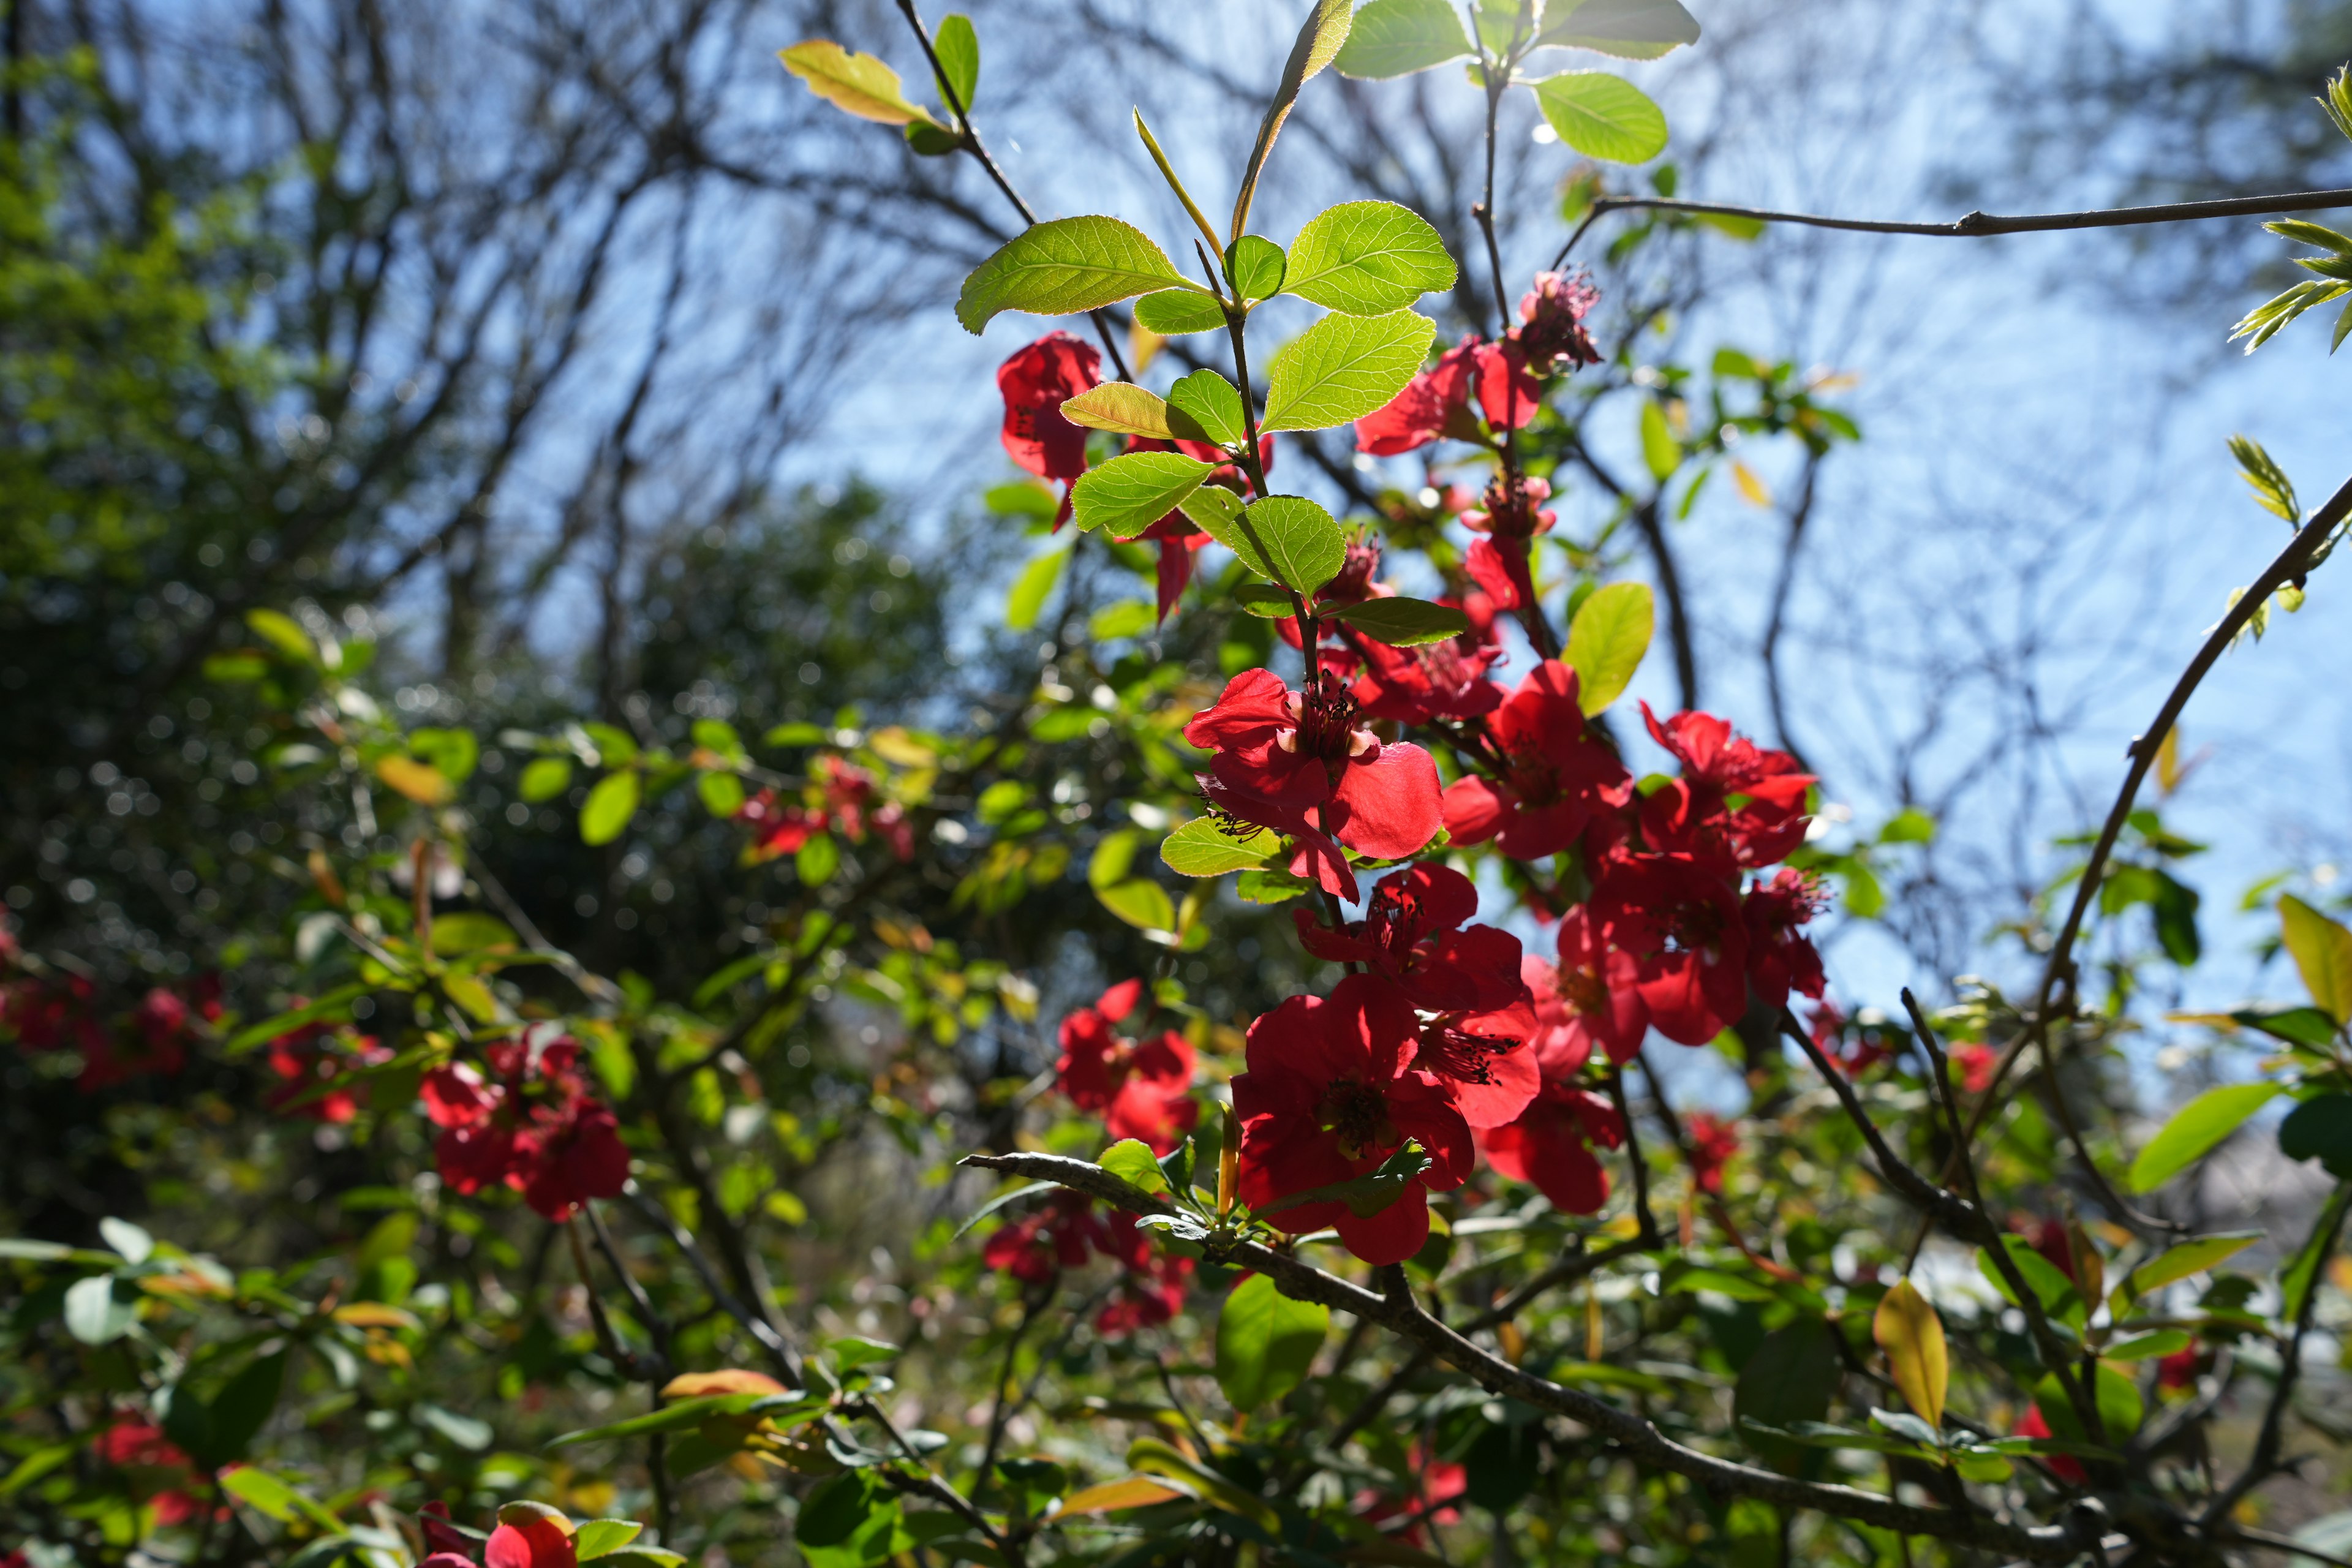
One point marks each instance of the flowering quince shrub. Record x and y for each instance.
(1395, 965)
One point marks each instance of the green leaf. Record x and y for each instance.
(453, 752)
(1211, 846)
(1403, 623)
(1113, 857)
(1607, 641)
(610, 806)
(1287, 538)
(1001, 1201)
(853, 83)
(2174, 908)
(1344, 367)
(1065, 266)
(614, 745)
(722, 796)
(1661, 453)
(2194, 1130)
(1132, 1162)
(1140, 903)
(853, 1351)
(1031, 499)
(1265, 600)
(130, 1243)
(851, 1521)
(1368, 259)
(545, 778)
(1603, 116)
(2143, 1347)
(271, 1494)
(470, 931)
(1320, 38)
(2297, 1026)
(1265, 1342)
(2274, 491)
(1211, 402)
(2178, 1263)
(2323, 954)
(1255, 266)
(235, 1415)
(1126, 619)
(1367, 1194)
(1910, 826)
(2120, 1407)
(1629, 29)
(1121, 407)
(94, 1314)
(815, 862)
(2050, 1288)
(1788, 1379)
(1398, 37)
(2330, 1533)
(1032, 588)
(957, 48)
(2321, 1129)
(1130, 493)
(1177, 313)
(285, 633)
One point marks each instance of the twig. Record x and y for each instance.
(1977, 225)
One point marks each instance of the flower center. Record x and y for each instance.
(1464, 1058)
(1356, 1117)
(1327, 724)
(1586, 993)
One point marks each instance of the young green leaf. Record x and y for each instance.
(957, 48)
(2194, 1130)
(2323, 955)
(1603, 116)
(2274, 491)
(1256, 267)
(1178, 312)
(1121, 407)
(1344, 367)
(1213, 405)
(610, 806)
(1265, 1342)
(1302, 545)
(602, 1537)
(2176, 1264)
(1211, 846)
(1128, 494)
(2142, 1347)
(1607, 640)
(1368, 259)
(1032, 588)
(1403, 623)
(1141, 903)
(1319, 40)
(1661, 453)
(856, 84)
(1398, 37)
(1908, 1329)
(545, 778)
(1064, 266)
(1132, 1162)
(1629, 29)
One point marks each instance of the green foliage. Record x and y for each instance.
(2195, 1129)
(1603, 116)
(1398, 37)
(1065, 266)
(1366, 258)
(1128, 494)
(1607, 642)
(1342, 368)
(1265, 1342)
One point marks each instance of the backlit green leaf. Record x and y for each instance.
(1629, 29)
(1368, 259)
(855, 83)
(1141, 903)
(1130, 493)
(610, 806)
(2178, 1263)
(1064, 266)
(1175, 312)
(1211, 846)
(1789, 1379)
(2323, 955)
(1607, 641)
(1603, 116)
(2194, 1130)
(957, 48)
(1256, 267)
(1213, 406)
(1032, 588)
(1398, 37)
(1403, 623)
(1301, 545)
(1120, 407)
(1265, 1342)
(1661, 453)
(1344, 367)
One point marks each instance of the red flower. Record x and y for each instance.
(1150, 1290)
(1143, 1088)
(1552, 322)
(1713, 1143)
(1551, 1146)
(1412, 933)
(1483, 1060)
(1553, 777)
(777, 827)
(1977, 1064)
(314, 1056)
(1734, 798)
(1680, 918)
(1035, 382)
(531, 1126)
(1432, 404)
(2065, 1469)
(1591, 997)
(440, 1536)
(136, 1444)
(2181, 1369)
(1507, 395)
(529, 1541)
(1329, 1094)
(1437, 1482)
(1780, 958)
(1039, 1245)
(1868, 1047)
(1282, 754)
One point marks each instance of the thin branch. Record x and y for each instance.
(1977, 225)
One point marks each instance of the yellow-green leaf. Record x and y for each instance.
(857, 84)
(2323, 953)
(1908, 1329)
(420, 781)
(610, 806)
(1660, 451)
(1607, 640)
(1122, 408)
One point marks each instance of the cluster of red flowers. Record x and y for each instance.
(160, 1474)
(527, 1535)
(1065, 1231)
(839, 799)
(528, 1123)
(316, 1064)
(1443, 1033)
(52, 1012)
